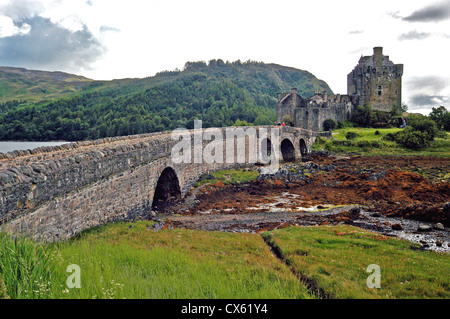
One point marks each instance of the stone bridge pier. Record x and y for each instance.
(53, 193)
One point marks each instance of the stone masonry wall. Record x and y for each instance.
(52, 195)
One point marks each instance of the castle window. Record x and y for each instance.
(379, 89)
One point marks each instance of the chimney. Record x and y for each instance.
(294, 97)
(378, 56)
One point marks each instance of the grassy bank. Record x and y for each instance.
(130, 260)
(370, 141)
(336, 259)
(230, 176)
(119, 261)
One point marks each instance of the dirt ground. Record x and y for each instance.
(389, 186)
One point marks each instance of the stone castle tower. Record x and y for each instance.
(375, 80)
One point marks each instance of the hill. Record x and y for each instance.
(32, 86)
(218, 93)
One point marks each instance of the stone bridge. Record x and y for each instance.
(53, 193)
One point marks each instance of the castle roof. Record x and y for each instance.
(370, 61)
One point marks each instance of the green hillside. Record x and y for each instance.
(218, 93)
(32, 86)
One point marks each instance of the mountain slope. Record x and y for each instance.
(33, 86)
(220, 94)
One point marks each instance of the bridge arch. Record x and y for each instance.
(167, 188)
(287, 150)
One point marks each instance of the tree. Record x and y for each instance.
(287, 119)
(329, 124)
(363, 115)
(442, 117)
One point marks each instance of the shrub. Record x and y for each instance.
(320, 140)
(364, 144)
(343, 143)
(351, 135)
(375, 144)
(443, 135)
(329, 124)
(423, 124)
(413, 138)
(420, 132)
(242, 123)
(377, 132)
(287, 119)
(389, 137)
(345, 124)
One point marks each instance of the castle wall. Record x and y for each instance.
(312, 117)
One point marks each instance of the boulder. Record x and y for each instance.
(424, 228)
(397, 227)
(439, 226)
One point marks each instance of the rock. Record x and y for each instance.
(439, 226)
(355, 211)
(376, 215)
(438, 243)
(131, 226)
(424, 228)
(397, 227)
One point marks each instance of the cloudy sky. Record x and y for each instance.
(110, 39)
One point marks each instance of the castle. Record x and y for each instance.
(375, 81)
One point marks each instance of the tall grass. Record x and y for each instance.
(336, 259)
(26, 268)
(121, 262)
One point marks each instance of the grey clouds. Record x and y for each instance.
(50, 46)
(433, 13)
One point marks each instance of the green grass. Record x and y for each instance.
(121, 262)
(27, 269)
(369, 144)
(336, 259)
(230, 176)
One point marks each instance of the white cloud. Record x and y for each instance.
(8, 28)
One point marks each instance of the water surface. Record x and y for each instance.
(9, 146)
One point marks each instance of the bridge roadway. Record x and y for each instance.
(53, 193)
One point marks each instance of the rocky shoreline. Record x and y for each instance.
(325, 191)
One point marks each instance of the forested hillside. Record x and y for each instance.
(218, 93)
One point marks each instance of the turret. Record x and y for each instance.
(378, 56)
